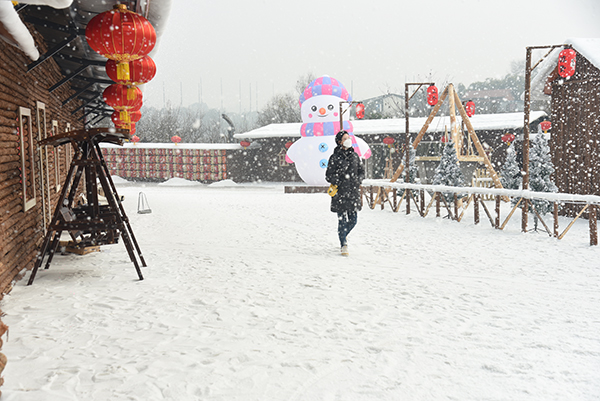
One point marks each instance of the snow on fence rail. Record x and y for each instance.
(379, 192)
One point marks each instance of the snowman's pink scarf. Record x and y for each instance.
(330, 128)
(324, 129)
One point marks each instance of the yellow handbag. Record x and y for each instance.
(332, 190)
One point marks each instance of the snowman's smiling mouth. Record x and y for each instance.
(324, 115)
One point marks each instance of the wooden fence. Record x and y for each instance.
(455, 201)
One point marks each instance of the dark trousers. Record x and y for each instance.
(346, 222)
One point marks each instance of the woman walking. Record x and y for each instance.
(345, 170)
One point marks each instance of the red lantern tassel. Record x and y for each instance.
(123, 71)
(124, 116)
(131, 93)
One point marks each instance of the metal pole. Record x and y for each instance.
(526, 110)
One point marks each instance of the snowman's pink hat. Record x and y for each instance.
(325, 85)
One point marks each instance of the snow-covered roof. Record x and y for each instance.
(14, 31)
(203, 146)
(502, 121)
(587, 47)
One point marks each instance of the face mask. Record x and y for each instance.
(347, 143)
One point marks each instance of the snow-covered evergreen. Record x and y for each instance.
(541, 169)
(448, 171)
(510, 174)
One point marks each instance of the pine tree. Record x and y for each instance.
(540, 172)
(448, 171)
(412, 176)
(510, 174)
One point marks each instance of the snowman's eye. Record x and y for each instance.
(314, 108)
(330, 107)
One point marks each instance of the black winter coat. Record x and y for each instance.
(345, 170)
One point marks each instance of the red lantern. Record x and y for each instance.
(140, 71)
(123, 97)
(389, 141)
(444, 139)
(566, 63)
(175, 139)
(136, 107)
(121, 35)
(135, 139)
(360, 111)
(245, 144)
(546, 125)
(470, 108)
(508, 138)
(432, 95)
(288, 144)
(135, 116)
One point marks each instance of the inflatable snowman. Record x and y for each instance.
(320, 111)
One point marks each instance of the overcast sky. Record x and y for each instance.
(219, 50)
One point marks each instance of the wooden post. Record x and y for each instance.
(476, 208)
(524, 215)
(453, 125)
(407, 142)
(497, 225)
(526, 109)
(555, 219)
(437, 204)
(422, 201)
(593, 226)
(407, 139)
(455, 206)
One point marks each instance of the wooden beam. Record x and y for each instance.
(453, 126)
(477, 143)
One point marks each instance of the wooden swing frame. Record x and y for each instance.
(91, 224)
(457, 135)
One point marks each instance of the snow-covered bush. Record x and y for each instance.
(510, 174)
(448, 171)
(541, 169)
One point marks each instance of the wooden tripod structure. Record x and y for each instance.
(456, 133)
(91, 224)
(457, 136)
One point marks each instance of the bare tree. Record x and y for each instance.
(280, 109)
(303, 82)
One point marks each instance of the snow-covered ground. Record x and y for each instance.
(246, 297)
